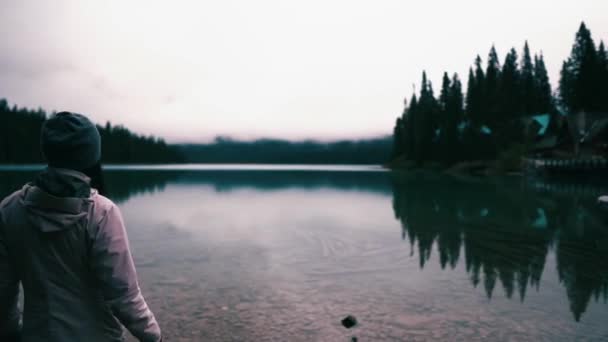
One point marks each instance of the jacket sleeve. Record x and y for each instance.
(9, 290)
(114, 269)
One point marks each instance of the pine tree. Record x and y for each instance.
(567, 97)
(544, 102)
(509, 88)
(475, 95)
(579, 86)
(410, 129)
(424, 122)
(471, 105)
(400, 131)
(481, 86)
(456, 99)
(454, 111)
(432, 124)
(527, 87)
(398, 139)
(444, 115)
(602, 62)
(445, 91)
(421, 122)
(491, 86)
(507, 128)
(473, 110)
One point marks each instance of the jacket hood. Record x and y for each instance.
(64, 182)
(51, 213)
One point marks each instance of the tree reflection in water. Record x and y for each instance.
(506, 228)
(120, 185)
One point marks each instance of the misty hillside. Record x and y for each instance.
(273, 151)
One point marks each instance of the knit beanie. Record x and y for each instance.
(70, 141)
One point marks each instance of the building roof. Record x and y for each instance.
(543, 120)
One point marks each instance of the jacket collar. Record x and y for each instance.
(34, 196)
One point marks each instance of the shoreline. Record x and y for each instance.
(477, 168)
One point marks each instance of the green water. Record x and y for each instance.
(260, 254)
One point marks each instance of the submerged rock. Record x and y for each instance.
(349, 321)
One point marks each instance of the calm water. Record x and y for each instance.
(259, 254)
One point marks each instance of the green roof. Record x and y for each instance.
(543, 120)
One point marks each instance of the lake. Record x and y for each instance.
(264, 253)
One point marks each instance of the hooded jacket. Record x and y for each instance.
(72, 257)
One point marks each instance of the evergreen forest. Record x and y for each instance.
(20, 144)
(489, 120)
(20, 140)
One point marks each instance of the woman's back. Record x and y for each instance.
(48, 240)
(68, 246)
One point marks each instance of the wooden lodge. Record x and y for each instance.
(578, 144)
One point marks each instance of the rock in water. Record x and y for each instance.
(349, 321)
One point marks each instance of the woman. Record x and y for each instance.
(67, 245)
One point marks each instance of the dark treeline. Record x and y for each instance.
(20, 140)
(491, 118)
(272, 151)
(20, 134)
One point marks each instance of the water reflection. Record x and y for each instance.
(241, 250)
(121, 185)
(265, 180)
(505, 228)
(502, 229)
(124, 183)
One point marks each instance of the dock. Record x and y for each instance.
(565, 166)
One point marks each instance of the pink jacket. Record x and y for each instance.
(71, 254)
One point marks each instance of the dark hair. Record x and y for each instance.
(95, 173)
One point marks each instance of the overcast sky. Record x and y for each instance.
(324, 69)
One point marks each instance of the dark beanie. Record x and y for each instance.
(70, 141)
